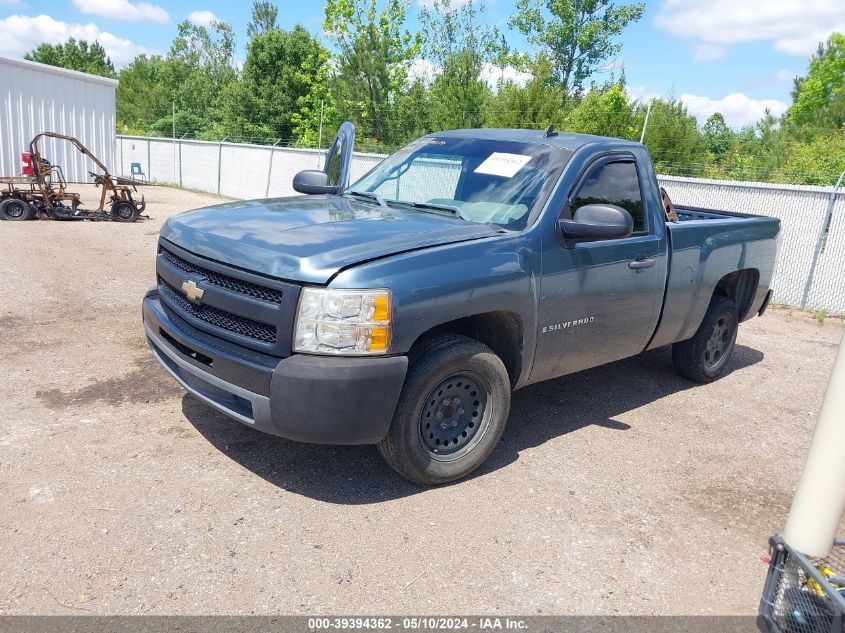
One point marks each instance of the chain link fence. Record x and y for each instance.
(810, 272)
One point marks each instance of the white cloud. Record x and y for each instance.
(641, 93)
(453, 4)
(737, 108)
(422, 69)
(123, 10)
(794, 27)
(203, 18)
(23, 33)
(491, 75)
(708, 51)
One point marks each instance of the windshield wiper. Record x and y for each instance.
(449, 208)
(372, 195)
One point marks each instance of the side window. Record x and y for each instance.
(614, 183)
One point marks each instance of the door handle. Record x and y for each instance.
(639, 264)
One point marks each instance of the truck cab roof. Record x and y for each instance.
(566, 140)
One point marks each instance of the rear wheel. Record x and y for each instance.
(451, 413)
(124, 212)
(16, 209)
(704, 357)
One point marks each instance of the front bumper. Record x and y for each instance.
(319, 399)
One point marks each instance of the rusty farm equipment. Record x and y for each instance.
(41, 190)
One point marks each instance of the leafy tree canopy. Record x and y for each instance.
(577, 35)
(86, 57)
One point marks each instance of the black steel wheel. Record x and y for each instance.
(704, 357)
(124, 212)
(16, 209)
(451, 413)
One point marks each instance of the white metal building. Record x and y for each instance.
(39, 98)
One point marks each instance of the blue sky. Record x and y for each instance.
(735, 56)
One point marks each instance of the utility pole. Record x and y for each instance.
(645, 123)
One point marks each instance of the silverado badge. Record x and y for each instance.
(192, 291)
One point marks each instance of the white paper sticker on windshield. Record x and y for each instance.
(501, 164)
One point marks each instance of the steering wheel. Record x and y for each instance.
(98, 178)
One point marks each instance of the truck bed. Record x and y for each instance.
(704, 246)
(687, 214)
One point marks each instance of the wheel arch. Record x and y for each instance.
(501, 330)
(740, 286)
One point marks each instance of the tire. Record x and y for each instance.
(704, 357)
(16, 209)
(124, 212)
(451, 413)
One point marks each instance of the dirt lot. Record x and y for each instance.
(623, 489)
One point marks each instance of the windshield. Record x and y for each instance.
(496, 182)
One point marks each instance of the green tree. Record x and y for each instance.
(672, 138)
(536, 105)
(277, 76)
(76, 55)
(818, 162)
(185, 124)
(143, 94)
(450, 27)
(316, 118)
(605, 113)
(718, 136)
(263, 18)
(200, 68)
(412, 113)
(577, 35)
(458, 98)
(819, 97)
(374, 50)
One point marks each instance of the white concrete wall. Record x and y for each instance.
(39, 98)
(245, 171)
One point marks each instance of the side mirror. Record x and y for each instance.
(598, 222)
(313, 181)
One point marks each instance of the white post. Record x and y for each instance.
(180, 157)
(320, 135)
(270, 168)
(819, 502)
(645, 123)
(174, 141)
(220, 162)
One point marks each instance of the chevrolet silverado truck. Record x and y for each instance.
(403, 310)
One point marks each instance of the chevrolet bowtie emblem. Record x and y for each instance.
(192, 291)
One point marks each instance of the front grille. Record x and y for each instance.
(219, 318)
(270, 295)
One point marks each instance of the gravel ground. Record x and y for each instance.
(623, 489)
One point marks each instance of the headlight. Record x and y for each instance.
(353, 322)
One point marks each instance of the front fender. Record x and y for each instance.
(433, 286)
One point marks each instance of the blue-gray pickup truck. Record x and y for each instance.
(403, 310)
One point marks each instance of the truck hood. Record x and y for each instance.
(311, 238)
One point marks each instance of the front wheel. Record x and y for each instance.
(451, 413)
(124, 212)
(704, 357)
(16, 209)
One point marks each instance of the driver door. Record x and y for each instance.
(339, 157)
(600, 299)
